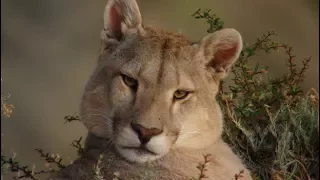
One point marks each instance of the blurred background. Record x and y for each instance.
(49, 49)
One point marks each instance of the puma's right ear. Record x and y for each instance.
(120, 18)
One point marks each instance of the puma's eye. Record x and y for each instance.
(130, 82)
(180, 94)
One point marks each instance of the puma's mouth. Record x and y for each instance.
(130, 147)
(139, 154)
(141, 150)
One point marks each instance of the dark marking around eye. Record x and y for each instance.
(180, 94)
(130, 82)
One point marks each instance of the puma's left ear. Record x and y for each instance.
(221, 49)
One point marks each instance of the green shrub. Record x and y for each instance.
(269, 122)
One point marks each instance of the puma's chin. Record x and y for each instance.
(138, 154)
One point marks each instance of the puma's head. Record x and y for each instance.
(153, 91)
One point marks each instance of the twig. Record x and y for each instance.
(70, 118)
(303, 69)
(203, 167)
(239, 175)
(303, 167)
(51, 158)
(15, 166)
(77, 144)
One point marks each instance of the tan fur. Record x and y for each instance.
(162, 63)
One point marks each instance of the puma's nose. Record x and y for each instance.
(145, 134)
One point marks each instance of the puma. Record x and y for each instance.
(150, 105)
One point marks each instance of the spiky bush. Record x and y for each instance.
(269, 121)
